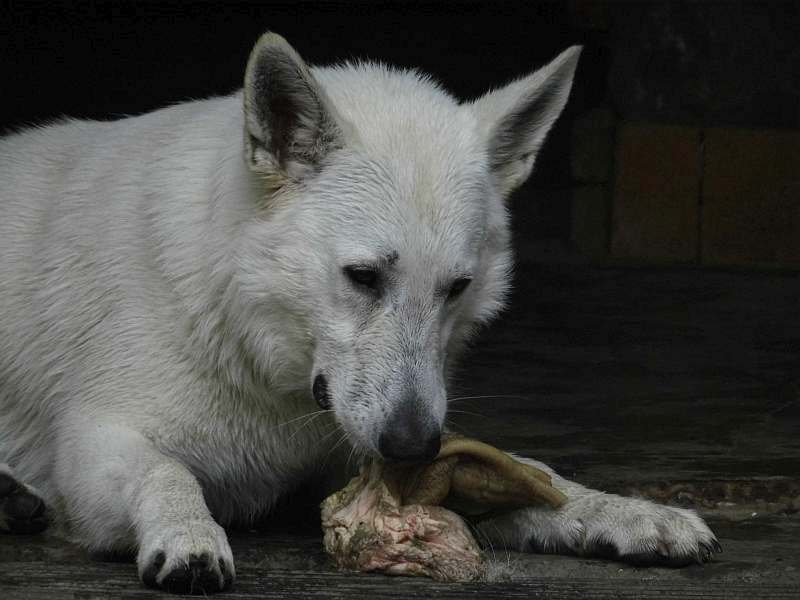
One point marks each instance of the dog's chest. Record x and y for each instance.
(247, 455)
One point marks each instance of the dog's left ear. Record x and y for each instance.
(516, 119)
(290, 123)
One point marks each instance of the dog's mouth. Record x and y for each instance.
(404, 438)
(320, 392)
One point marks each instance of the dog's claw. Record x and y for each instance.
(197, 576)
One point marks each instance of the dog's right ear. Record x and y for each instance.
(290, 125)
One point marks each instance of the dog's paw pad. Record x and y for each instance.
(188, 559)
(197, 576)
(22, 511)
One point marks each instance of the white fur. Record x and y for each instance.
(170, 286)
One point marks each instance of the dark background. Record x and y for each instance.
(101, 60)
(702, 64)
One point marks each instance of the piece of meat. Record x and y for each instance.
(388, 519)
(367, 529)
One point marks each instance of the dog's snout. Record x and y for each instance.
(408, 436)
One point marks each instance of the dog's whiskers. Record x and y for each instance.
(338, 443)
(303, 416)
(307, 423)
(461, 398)
(355, 453)
(466, 412)
(451, 424)
(336, 427)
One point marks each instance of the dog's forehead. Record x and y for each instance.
(424, 211)
(378, 101)
(419, 172)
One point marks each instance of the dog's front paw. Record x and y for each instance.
(631, 530)
(627, 529)
(21, 509)
(193, 558)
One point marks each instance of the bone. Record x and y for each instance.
(482, 474)
(395, 518)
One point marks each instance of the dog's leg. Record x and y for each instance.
(114, 481)
(594, 523)
(21, 508)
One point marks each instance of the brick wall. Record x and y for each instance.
(690, 195)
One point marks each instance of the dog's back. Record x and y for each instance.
(98, 220)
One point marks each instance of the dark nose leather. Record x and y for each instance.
(410, 436)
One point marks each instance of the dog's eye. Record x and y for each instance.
(364, 276)
(458, 287)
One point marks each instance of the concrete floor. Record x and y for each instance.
(681, 385)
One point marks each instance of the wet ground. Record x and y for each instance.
(682, 385)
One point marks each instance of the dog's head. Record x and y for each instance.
(383, 239)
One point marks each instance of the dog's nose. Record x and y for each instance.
(408, 437)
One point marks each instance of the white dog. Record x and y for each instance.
(179, 290)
